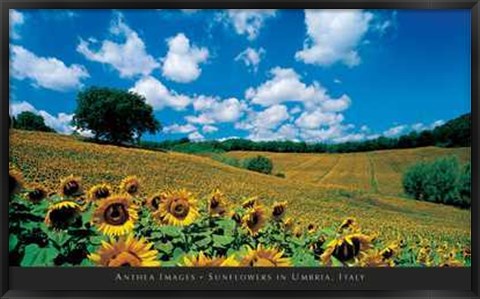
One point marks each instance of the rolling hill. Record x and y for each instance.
(320, 188)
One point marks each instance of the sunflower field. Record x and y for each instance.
(78, 204)
(172, 228)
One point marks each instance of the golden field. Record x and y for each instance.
(320, 189)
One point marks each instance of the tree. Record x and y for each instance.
(31, 122)
(259, 164)
(114, 115)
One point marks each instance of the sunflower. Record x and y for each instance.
(249, 202)
(63, 215)
(278, 210)
(375, 259)
(15, 181)
(153, 202)
(298, 232)
(317, 246)
(254, 220)
(70, 186)
(126, 252)
(36, 194)
(178, 208)
(288, 224)
(346, 248)
(98, 192)
(265, 257)
(201, 260)
(116, 215)
(311, 228)
(217, 204)
(348, 224)
(390, 251)
(235, 217)
(130, 185)
(424, 256)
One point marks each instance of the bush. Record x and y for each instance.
(442, 181)
(280, 175)
(259, 164)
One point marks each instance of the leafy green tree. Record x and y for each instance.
(114, 115)
(259, 164)
(415, 179)
(31, 122)
(465, 186)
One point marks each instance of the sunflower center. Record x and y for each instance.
(102, 193)
(12, 184)
(36, 195)
(125, 259)
(214, 203)
(71, 188)
(62, 218)
(277, 211)
(156, 202)
(116, 214)
(252, 220)
(180, 208)
(132, 188)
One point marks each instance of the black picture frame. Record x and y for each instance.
(36, 276)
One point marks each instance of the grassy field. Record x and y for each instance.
(377, 172)
(322, 189)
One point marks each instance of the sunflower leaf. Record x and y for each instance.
(12, 242)
(37, 257)
(172, 231)
(222, 241)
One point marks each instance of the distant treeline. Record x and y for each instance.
(455, 133)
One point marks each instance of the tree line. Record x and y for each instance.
(121, 117)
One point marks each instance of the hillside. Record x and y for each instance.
(377, 171)
(318, 188)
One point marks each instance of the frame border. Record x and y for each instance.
(5, 5)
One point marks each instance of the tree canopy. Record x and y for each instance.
(114, 115)
(31, 122)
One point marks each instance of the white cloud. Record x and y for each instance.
(207, 129)
(334, 36)
(47, 72)
(60, 123)
(17, 19)
(160, 96)
(285, 86)
(248, 22)
(395, 131)
(129, 58)
(269, 118)
(176, 129)
(182, 63)
(317, 118)
(196, 136)
(214, 110)
(251, 57)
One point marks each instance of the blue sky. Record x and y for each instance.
(316, 76)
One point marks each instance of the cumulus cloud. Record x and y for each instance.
(251, 57)
(286, 86)
(60, 123)
(129, 58)
(333, 36)
(17, 19)
(182, 63)
(395, 131)
(266, 119)
(317, 118)
(248, 22)
(176, 129)
(196, 136)
(207, 129)
(215, 110)
(159, 96)
(46, 72)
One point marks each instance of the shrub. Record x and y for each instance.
(259, 164)
(442, 181)
(280, 175)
